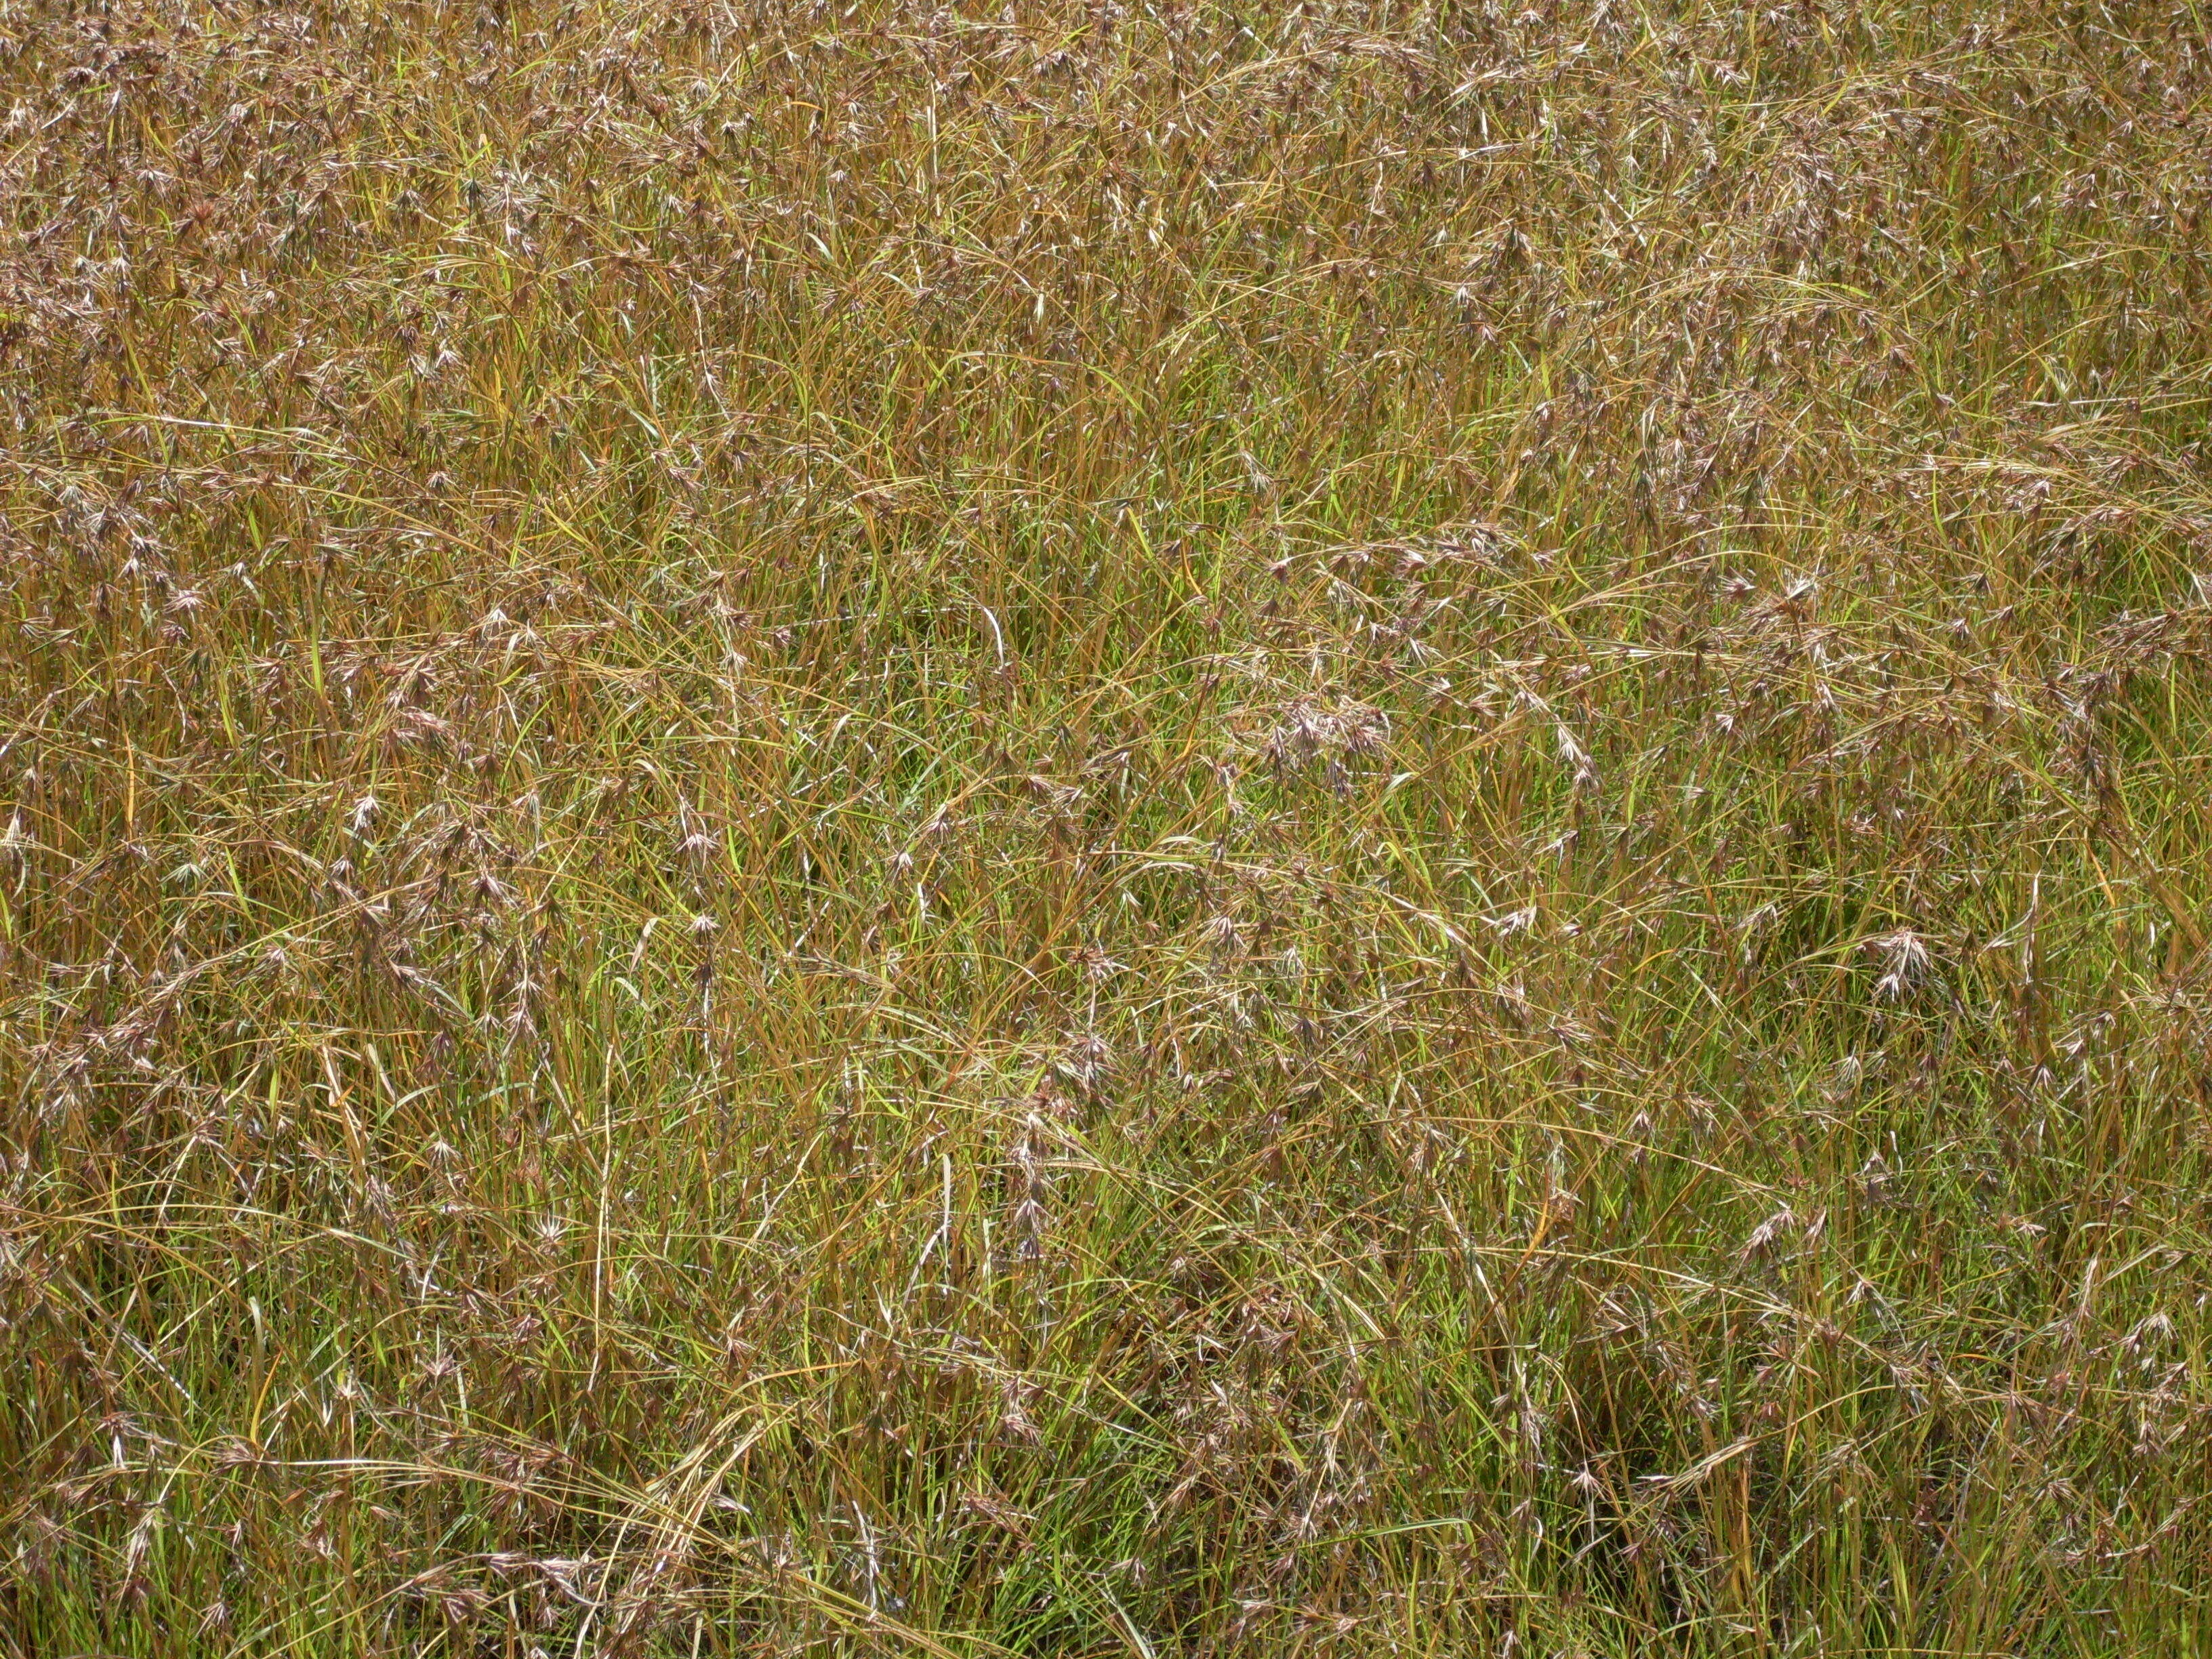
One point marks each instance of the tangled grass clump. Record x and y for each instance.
(1152, 829)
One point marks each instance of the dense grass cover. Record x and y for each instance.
(1330, 828)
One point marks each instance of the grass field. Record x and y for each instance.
(1311, 830)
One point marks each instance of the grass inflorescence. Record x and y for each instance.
(1325, 830)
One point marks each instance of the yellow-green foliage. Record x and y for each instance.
(1319, 828)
